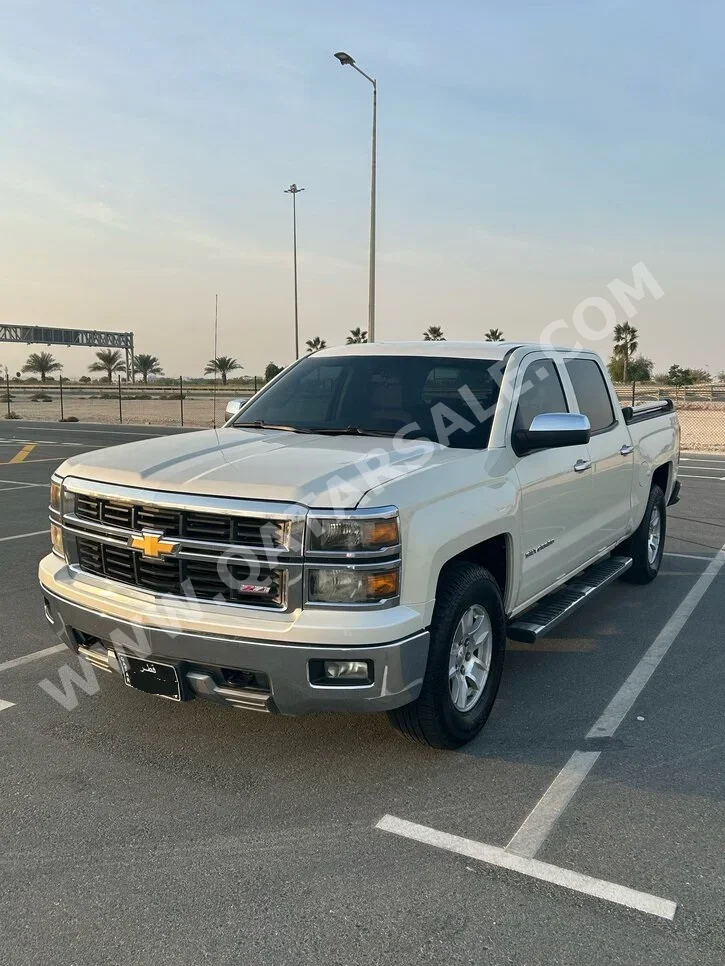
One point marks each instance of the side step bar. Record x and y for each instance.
(545, 615)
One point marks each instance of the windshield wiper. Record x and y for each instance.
(352, 431)
(259, 424)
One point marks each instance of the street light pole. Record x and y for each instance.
(347, 61)
(294, 191)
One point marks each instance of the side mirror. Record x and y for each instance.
(552, 430)
(233, 407)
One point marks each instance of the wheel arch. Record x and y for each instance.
(661, 477)
(494, 553)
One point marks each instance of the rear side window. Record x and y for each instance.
(541, 392)
(591, 393)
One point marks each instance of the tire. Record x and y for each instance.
(646, 562)
(465, 590)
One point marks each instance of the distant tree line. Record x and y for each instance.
(625, 365)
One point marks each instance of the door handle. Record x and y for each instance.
(581, 465)
(626, 450)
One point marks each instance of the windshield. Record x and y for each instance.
(450, 401)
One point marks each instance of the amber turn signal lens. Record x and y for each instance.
(382, 585)
(383, 533)
(55, 495)
(56, 538)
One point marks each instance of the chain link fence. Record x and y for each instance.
(701, 409)
(135, 404)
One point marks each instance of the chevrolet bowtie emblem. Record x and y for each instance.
(152, 544)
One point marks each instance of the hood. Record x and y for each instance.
(315, 471)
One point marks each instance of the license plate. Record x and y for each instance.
(151, 677)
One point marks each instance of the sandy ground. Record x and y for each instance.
(702, 429)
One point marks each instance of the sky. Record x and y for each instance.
(529, 153)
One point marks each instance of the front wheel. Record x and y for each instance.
(647, 543)
(465, 661)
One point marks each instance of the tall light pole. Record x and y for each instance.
(294, 191)
(347, 61)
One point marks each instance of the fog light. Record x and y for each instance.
(350, 670)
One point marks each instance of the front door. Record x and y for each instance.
(556, 490)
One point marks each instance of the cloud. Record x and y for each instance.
(87, 209)
(236, 250)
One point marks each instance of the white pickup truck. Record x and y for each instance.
(364, 533)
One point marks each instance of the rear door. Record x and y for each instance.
(555, 487)
(610, 449)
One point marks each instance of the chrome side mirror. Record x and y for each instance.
(552, 430)
(233, 407)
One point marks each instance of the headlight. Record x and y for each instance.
(332, 585)
(365, 533)
(55, 494)
(56, 538)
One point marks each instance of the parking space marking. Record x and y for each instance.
(93, 432)
(34, 656)
(20, 536)
(9, 489)
(698, 476)
(39, 442)
(25, 451)
(701, 459)
(542, 818)
(689, 556)
(493, 855)
(4, 705)
(617, 709)
(24, 483)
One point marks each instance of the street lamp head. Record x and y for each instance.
(345, 59)
(293, 190)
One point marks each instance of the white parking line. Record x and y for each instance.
(20, 536)
(532, 834)
(9, 489)
(699, 476)
(689, 556)
(34, 656)
(23, 483)
(493, 855)
(702, 459)
(621, 703)
(92, 432)
(4, 705)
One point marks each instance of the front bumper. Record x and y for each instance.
(212, 666)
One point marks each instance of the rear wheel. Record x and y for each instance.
(465, 661)
(647, 543)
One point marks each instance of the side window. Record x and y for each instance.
(591, 393)
(541, 392)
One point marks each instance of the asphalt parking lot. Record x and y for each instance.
(136, 831)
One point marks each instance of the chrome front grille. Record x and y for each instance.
(218, 528)
(175, 575)
(240, 552)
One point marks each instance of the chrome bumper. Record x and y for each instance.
(206, 663)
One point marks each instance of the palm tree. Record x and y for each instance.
(223, 365)
(434, 333)
(271, 371)
(356, 336)
(494, 335)
(147, 366)
(108, 361)
(42, 363)
(314, 345)
(625, 344)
